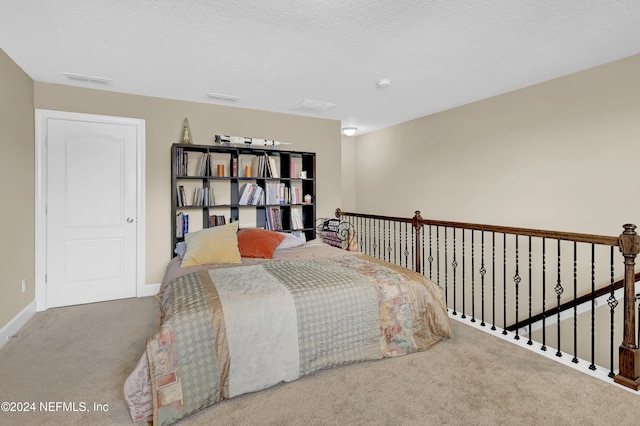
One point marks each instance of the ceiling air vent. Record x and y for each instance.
(88, 78)
(222, 97)
(318, 107)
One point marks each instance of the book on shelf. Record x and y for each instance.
(273, 219)
(203, 197)
(251, 194)
(264, 166)
(234, 167)
(182, 224)
(182, 199)
(217, 220)
(245, 193)
(296, 219)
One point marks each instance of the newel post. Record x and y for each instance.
(417, 225)
(629, 374)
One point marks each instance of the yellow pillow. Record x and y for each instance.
(218, 244)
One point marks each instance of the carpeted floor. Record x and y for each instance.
(81, 355)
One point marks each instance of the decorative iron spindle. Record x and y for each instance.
(504, 282)
(575, 306)
(406, 247)
(430, 255)
(446, 269)
(558, 289)
(530, 342)
(483, 271)
(454, 266)
(516, 280)
(473, 275)
(612, 302)
(438, 253)
(389, 248)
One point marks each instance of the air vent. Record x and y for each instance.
(222, 97)
(308, 105)
(88, 78)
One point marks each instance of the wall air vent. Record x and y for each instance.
(88, 78)
(318, 107)
(222, 97)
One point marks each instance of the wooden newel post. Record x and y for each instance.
(629, 374)
(417, 225)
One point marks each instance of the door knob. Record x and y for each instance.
(129, 220)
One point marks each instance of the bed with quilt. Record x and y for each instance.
(243, 310)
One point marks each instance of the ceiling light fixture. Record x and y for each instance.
(349, 131)
(384, 83)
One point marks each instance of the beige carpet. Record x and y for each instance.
(82, 354)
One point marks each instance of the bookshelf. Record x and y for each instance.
(211, 185)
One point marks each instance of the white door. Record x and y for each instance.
(90, 211)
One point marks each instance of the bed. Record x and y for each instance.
(243, 310)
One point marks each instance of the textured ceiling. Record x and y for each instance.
(273, 54)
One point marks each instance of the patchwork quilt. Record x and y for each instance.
(229, 331)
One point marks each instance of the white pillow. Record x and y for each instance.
(292, 240)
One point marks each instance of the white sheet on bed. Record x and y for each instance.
(262, 333)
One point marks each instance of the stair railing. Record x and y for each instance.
(497, 274)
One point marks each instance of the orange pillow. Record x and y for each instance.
(258, 242)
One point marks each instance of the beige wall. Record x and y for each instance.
(561, 155)
(164, 119)
(349, 174)
(17, 251)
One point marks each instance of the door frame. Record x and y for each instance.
(41, 119)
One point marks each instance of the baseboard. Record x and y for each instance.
(148, 290)
(17, 322)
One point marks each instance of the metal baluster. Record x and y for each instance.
(530, 342)
(396, 239)
(430, 256)
(504, 282)
(454, 266)
(406, 246)
(438, 254)
(446, 269)
(423, 238)
(463, 280)
(612, 302)
(379, 245)
(473, 275)
(516, 280)
(575, 306)
(544, 294)
(483, 271)
(593, 307)
(493, 281)
(389, 248)
(559, 290)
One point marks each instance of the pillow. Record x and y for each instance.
(292, 240)
(180, 249)
(218, 244)
(255, 242)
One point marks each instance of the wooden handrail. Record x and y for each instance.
(556, 235)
